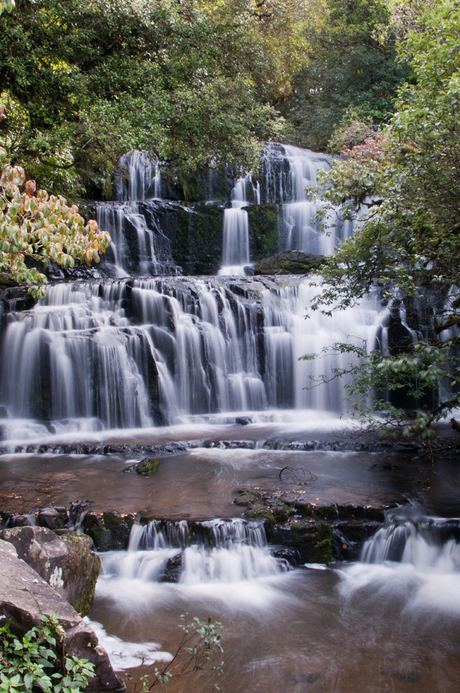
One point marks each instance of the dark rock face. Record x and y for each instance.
(172, 569)
(289, 262)
(312, 540)
(52, 518)
(109, 531)
(263, 230)
(24, 596)
(310, 533)
(67, 563)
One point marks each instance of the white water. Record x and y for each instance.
(188, 348)
(416, 562)
(377, 625)
(139, 177)
(220, 560)
(235, 250)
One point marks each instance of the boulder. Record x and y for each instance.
(53, 518)
(67, 563)
(289, 262)
(25, 596)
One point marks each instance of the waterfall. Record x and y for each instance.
(216, 551)
(139, 247)
(235, 252)
(429, 546)
(136, 350)
(287, 172)
(416, 560)
(130, 353)
(138, 178)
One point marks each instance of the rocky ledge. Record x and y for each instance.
(311, 533)
(64, 567)
(289, 262)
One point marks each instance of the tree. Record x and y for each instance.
(407, 177)
(352, 65)
(192, 82)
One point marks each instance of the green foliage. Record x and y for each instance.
(201, 641)
(42, 228)
(350, 70)
(192, 82)
(408, 179)
(33, 664)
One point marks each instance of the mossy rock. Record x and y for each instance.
(326, 513)
(109, 531)
(268, 519)
(289, 262)
(263, 230)
(81, 569)
(281, 512)
(313, 542)
(148, 466)
(246, 499)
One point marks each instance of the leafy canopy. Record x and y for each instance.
(192, 82)
(352, 67)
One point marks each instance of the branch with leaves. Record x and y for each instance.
(41, 227)
(200, 643)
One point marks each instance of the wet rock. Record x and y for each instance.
(289, 262)
(66, 563)
(285, 553)
(109, 531)
(327, 513)
(25, 520)
(173, 569)
(148, 466)
(360, 512)
(312, 540)
(349, 538)
(52, 518)
(246, 499)
(244, 420)
(25, 595)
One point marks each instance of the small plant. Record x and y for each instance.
(33, 662)
(200, 642)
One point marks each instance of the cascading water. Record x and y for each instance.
(138, 178)
(140, 352)
(218, 551)
(138, 246)
(235, 252)
(133, 353)
(417, 558)
(287, 172)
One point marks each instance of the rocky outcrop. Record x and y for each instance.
(289, 262)
(25, 596)
(314, 533)
(67, 563)
(109, 531)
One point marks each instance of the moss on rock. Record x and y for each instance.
(289, 262)
(148, 466)
(263, 228)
